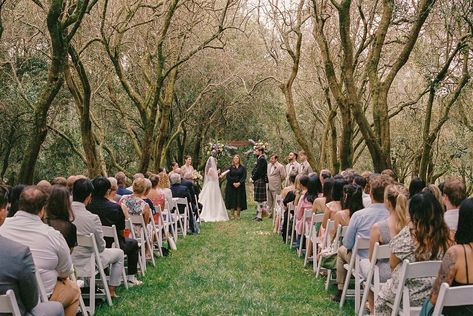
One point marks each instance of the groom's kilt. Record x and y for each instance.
(260, 190)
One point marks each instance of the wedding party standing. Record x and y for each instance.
(276, 177)
(187, 170)
(292, 166)
(235, 191)
(214, 209)
(260, 178)
(305, 168)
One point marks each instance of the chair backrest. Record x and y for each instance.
(453, 296)
(88, 241)
(137, 220)
(360, 244)
(181, 201)
(422, 269)
(8, 304)
(290, 206)
(111, 231)
(43, 296)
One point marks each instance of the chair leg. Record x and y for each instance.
(329, 276)
(345, 287)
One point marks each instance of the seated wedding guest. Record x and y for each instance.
(121, 182)
(156, 194)
(352, 202)
(110, 213)
(366, 191)
(88, 223)
(165, 186)
(17, 273)
(14, 199)
(59, 181)
(324, 174)
(174, 167)
(335, 204)
(113, 196)
(138, 175)
(135, 204)
(453, 195)
(149, 186)
(3, 203)
(457, 264)
(432, 188)
(45, 186)
(59, 214)
(426, 237)
(361, 181)
(361, 224)
(181, 191)
(70, 182)
(288, 195)
(48, 247)
(300, 207)
(416, 186)
(306, 203)
(390, 173)
(395, 200)
(320, 203)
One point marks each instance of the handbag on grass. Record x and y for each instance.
(329, 260)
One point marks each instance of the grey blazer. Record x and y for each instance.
(276, 177)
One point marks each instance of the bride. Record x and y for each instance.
(214, 209)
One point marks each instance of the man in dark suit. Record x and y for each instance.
(181, 191)
(110, 213)
(260, 178)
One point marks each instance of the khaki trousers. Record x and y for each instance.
(67, 293)
(343, 256)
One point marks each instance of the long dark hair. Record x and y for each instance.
(430, 231)
(312, 189)
(327, 189)
(464, 234)
(352, 198)
(58, 205)
(416, 186)
(337, 190)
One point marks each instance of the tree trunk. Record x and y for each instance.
(346, 139)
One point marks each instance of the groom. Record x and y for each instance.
(260, 178)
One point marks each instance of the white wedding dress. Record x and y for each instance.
(214, 209)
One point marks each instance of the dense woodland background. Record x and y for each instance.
(96, 86)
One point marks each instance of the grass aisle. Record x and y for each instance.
(231, 268)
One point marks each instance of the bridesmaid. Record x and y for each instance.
(235, 191)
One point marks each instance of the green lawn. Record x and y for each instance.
(231, 268)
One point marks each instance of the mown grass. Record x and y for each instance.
(231, 268)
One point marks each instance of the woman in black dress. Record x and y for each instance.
(235, 192)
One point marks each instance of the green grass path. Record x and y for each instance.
(231, 268)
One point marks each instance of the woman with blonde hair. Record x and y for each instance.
(164, 184)
(395, 199)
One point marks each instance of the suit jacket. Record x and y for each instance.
(181, 191)
(260, 171)
(305, 168)
(276, 176)
(292, 168)
(17, 272)
(86, 223)
(110, 214)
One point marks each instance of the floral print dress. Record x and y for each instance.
(403, 247)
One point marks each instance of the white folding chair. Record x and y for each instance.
(141, 245)
(415, 270)
(8, 304)
(96, 267)
(137, 222)
(111, 232)
(312, 238)
(183, 218)
(82, 306)
(156, 232)
(353, 268)
(453, 296)
(291, 208)
(170, 220)
(43, 296)
(372, 281)
(340, 232)
(199, 211)
(278, 212)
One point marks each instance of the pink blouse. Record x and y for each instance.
(300, 209)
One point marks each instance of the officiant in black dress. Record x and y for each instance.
(235, 191)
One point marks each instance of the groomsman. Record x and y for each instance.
(293, 167)
(305, 168)
(276, 177)
(260, 178)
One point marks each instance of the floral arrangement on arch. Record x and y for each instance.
(215, 149)
(258, 144)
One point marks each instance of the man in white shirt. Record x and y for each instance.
(276, 177)
(305, 169)
(454, 193)
(292, 167)
(48, 247)
(88, 223)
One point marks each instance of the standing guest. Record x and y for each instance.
(426, 237)
(260, 178)
(165, 185)
(361, 223)
(88, 223)
(235, 190)
(187, 170)
(395, 200)
(14, 199)
(110, 213)
(416, 186)
(59, 181)
(181, 191)
(48, 247)
(121, 181)
(305, 169)
(59, 214)
(453, 195)
(276, 177)
(457, 264)
(174, 167)
(134, 204)
(113, 196)
(292, 166)
(361, 181)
